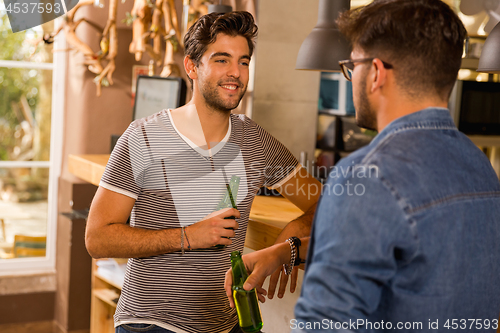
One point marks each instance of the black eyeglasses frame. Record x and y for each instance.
(346, 64)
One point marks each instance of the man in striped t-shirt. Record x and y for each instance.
(169, 172)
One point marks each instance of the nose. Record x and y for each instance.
(234, 70)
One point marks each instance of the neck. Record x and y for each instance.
(215, 123)
(394, 108)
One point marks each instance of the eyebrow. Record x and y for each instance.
(225, 54)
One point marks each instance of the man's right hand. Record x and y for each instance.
(213, 229)
(109, 236)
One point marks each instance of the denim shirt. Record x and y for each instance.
(406, 236)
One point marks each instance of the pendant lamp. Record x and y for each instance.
(489, 62)
(219, 8)
(325, 46)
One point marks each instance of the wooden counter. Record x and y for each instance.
(268, 215)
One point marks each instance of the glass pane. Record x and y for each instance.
(25, 45)
(328, 94)
(25, 110)
(23, 212)
(329, 98)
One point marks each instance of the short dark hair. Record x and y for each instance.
(205, 30)
(422, 39)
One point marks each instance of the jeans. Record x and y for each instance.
(133, 328)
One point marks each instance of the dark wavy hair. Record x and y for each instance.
(422, 39)
(205, 30)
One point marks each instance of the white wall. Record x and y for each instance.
(285, 100)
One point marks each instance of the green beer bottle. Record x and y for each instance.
(247, 304)
(229, 200)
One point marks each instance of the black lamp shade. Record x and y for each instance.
(490, 56)
(325, 46)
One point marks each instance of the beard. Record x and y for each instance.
(214, 99)
(366, 116)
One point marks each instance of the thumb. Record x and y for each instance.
(251, 282)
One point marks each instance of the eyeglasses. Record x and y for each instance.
(347, 66)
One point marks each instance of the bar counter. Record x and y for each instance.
(268, 215)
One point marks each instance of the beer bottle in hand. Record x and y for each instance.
(247, 304)
(229, 200)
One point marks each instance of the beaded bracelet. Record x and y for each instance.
(294, 255)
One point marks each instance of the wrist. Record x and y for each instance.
(189, 247)
(283, 252)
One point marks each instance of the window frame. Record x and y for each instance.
(47, 264)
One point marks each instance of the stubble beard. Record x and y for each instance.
(216, 102)
(366, 116)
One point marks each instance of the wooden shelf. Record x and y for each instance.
(108, 281)
(106, 295)
(103, 306)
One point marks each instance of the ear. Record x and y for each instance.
(190, 68)
(378, 75)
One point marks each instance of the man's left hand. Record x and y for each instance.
(275, 277)
(260, 264)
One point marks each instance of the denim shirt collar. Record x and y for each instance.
(429, 118)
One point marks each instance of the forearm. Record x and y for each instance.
(119, 240)
(300, 227)
(106, 239)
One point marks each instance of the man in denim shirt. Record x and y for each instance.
(406, 235)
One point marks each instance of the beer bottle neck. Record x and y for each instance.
(239, 270)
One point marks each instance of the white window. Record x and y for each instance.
(31, 118)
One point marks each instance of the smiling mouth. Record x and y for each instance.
(229, 86)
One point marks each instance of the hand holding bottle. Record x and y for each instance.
(260, 264)
(247, 305)
(213, 229)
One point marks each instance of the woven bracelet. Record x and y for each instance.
(185, 234)
(182, 241)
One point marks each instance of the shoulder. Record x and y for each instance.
(241, 120)
(343, 170)
(422, 167)
(432, 156)
(139, 127)
(152, 119)
(248, 130)
(356, 201)
(358, 182)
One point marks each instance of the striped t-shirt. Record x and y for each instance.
(176, 183)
